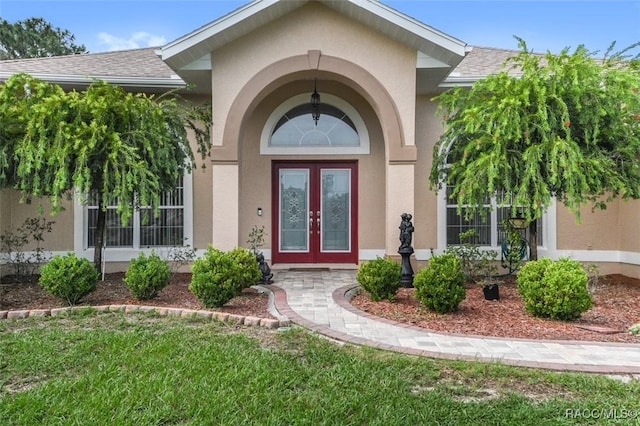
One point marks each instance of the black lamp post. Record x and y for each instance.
(315, 103)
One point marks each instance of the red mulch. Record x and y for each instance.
(112, 291)
(616, 306)
(616, 299)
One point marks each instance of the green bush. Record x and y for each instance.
(380, 278)
(440, 287)
(69, 278)
(555, 290)
(251, 274)
(146, 276)
(218, 277)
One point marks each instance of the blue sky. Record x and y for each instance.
(103, 25)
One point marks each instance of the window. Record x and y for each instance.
(489, 228)
(290, 129)
(487, 221)
(297, 128)
(144, 229)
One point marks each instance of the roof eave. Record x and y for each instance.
(196, 44)
(426, 33)
(466, 81)
(131, 82)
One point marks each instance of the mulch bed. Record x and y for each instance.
(616, 307)
(112, 291)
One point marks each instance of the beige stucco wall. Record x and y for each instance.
(202, 207)
(629, 225)
(596, 230)
(428, 131)
(14, 214)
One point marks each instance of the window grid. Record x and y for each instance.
(489, 228)
(143, 230)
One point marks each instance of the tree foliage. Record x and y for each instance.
(563, 126)
(110, 146)
(35, 38)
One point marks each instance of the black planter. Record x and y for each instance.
(491, 292)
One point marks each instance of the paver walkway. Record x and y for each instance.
(316, 300)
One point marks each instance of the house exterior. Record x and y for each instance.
(327, 191)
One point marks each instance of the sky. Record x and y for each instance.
(546, 25)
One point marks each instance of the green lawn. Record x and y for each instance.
(116, 369)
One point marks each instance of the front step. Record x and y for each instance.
(313, 267)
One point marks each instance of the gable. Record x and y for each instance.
(435, 52)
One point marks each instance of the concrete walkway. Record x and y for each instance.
(317, 300)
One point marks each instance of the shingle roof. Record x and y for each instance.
(140, 70)
(482, 61)
(144, 64)
(140, 63)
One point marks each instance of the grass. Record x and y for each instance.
(140, 369)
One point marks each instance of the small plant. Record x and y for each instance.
(14, 243)
(593, 274)
(256, 238)
(380, 278)
(514, 248)
(477, 265)
(635, 329)
(179, 257)
(440, 287)
(218, 277)
(69, 278)
(147, 276)
(556, 290)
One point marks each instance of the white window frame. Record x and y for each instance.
(344, 106)
(125, 254)
(546, 220)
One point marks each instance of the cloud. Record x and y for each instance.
(110, 42)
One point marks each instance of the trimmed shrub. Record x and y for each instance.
(147, 276)
(218, 277)
(248, 262)
(440, 287)
(69, 278)
(380, 278)
(556, 290)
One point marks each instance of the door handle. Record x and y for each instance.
(318, 221)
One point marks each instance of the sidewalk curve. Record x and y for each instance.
(318, 300)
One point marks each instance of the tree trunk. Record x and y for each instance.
(533, 240)
(101, 226)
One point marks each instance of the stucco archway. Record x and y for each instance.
(400, 156)
(303, 67)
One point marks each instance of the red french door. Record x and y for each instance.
(315, 212)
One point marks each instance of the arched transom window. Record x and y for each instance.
(291, 129)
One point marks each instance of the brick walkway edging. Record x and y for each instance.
(340, 295)
(159, 310)
(343, 296)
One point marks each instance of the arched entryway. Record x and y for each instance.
(243, 153)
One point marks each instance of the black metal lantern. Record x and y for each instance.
(315, 103)
(518, 222)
